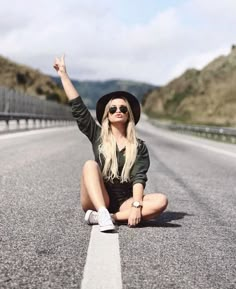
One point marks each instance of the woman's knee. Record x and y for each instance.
(163, 201)
(90, 165)
(159, 199)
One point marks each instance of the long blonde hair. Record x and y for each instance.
(108, 147)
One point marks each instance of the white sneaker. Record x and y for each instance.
(105, 221)
(91, 217)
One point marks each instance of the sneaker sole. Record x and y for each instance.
(86, 217)
(107, 228)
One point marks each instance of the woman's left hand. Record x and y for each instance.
(134, 217)
(59, 65)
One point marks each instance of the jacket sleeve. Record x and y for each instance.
(84, 119)
(141, 165)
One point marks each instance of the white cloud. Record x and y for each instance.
(213, 9)
(98, 45)
(197, 61)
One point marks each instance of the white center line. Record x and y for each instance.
(102, 269)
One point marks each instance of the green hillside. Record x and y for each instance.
(92, 90)
(29, 81)
(33, 82)
(206, 96)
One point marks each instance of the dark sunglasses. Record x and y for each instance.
(122, 108)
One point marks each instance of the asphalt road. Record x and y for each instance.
(44, 241)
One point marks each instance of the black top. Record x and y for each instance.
(92, 130)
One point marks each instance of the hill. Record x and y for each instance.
(206, 96)
(92, 90)
(32, 82)
(29, 81)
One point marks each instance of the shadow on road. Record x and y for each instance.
(164, 220)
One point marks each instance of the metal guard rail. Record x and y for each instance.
(209, 131)
(205, 129)
(16, 106)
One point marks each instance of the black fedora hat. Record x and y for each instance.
(132, 100)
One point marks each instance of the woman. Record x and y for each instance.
(112, 186)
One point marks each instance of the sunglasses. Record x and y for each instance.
(114, 108)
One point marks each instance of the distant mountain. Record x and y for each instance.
(29, 81)
(32, 82)
(206, 96)
(91, 91)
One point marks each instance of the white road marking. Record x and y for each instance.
(204, 146)
(210, 148)
(102, 269)
(194, 142)
(33, 132)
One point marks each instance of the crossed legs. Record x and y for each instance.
(153, 205)
(94, 196)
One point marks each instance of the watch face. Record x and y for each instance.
(136, 204)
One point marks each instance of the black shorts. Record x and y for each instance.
(118, 194)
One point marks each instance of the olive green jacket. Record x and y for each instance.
(92, 130)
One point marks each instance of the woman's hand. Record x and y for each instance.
(134, 217)
(59, 65)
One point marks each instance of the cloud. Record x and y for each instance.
(100, 45)
(225, 10)
(197, 61)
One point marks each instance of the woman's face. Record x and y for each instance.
(118, 111)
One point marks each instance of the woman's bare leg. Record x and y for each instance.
(93, 194)
(153, 205)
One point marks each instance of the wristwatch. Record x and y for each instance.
(137, 204)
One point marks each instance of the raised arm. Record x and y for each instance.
(83, 117)
(69, 88)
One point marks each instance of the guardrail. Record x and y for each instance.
(16, 106)
(218, 133)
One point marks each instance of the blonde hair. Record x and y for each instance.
(108, 147)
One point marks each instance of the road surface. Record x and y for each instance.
(45, 243)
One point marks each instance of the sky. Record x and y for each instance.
(151, 41)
